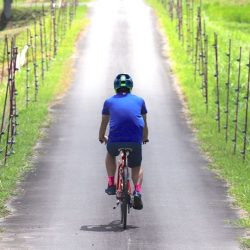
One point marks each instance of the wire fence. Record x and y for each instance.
(221, 68)
(26, 57)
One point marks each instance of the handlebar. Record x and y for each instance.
(144, 142)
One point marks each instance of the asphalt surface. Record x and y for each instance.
(63, 205)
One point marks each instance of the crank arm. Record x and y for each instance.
(117, 204)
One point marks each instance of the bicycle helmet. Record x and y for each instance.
(123, 81)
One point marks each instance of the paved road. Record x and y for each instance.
(63, 205)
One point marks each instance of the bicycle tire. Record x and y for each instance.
(124, 205)
(121, 194)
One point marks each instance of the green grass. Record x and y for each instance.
(33, 118)
(232, 16)
(237, 14)
(229, 166)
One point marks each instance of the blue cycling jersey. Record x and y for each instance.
(126, 121)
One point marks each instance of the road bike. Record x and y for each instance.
(123, 187)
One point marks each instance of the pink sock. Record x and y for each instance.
(111, 180)
(138, 188)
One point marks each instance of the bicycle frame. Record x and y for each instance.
(122, 164)
(123, 187)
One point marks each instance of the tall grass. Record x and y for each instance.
(233, 13)
(234, 17)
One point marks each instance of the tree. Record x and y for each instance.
(6, 14)
(7, 9)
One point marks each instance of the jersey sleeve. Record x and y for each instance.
(143, 108)
(105, 109)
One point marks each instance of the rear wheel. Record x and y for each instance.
(124, 203)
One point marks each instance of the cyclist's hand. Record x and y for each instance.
(145, 141)
(104, 139)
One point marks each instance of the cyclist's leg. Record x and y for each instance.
(110, 164)
(112, 152)
(137, 175)
(134, 160)
(111, 168)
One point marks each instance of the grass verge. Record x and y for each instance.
(229, 167)
(32, 119)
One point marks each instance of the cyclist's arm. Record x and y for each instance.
(145, 129)
(103, 127)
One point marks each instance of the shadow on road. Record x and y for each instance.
(114, 226)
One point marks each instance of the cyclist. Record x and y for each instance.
(126, 114)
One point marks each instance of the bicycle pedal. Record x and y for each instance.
(117, 204)
(131, 202)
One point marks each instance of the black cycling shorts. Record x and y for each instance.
(134, 158)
